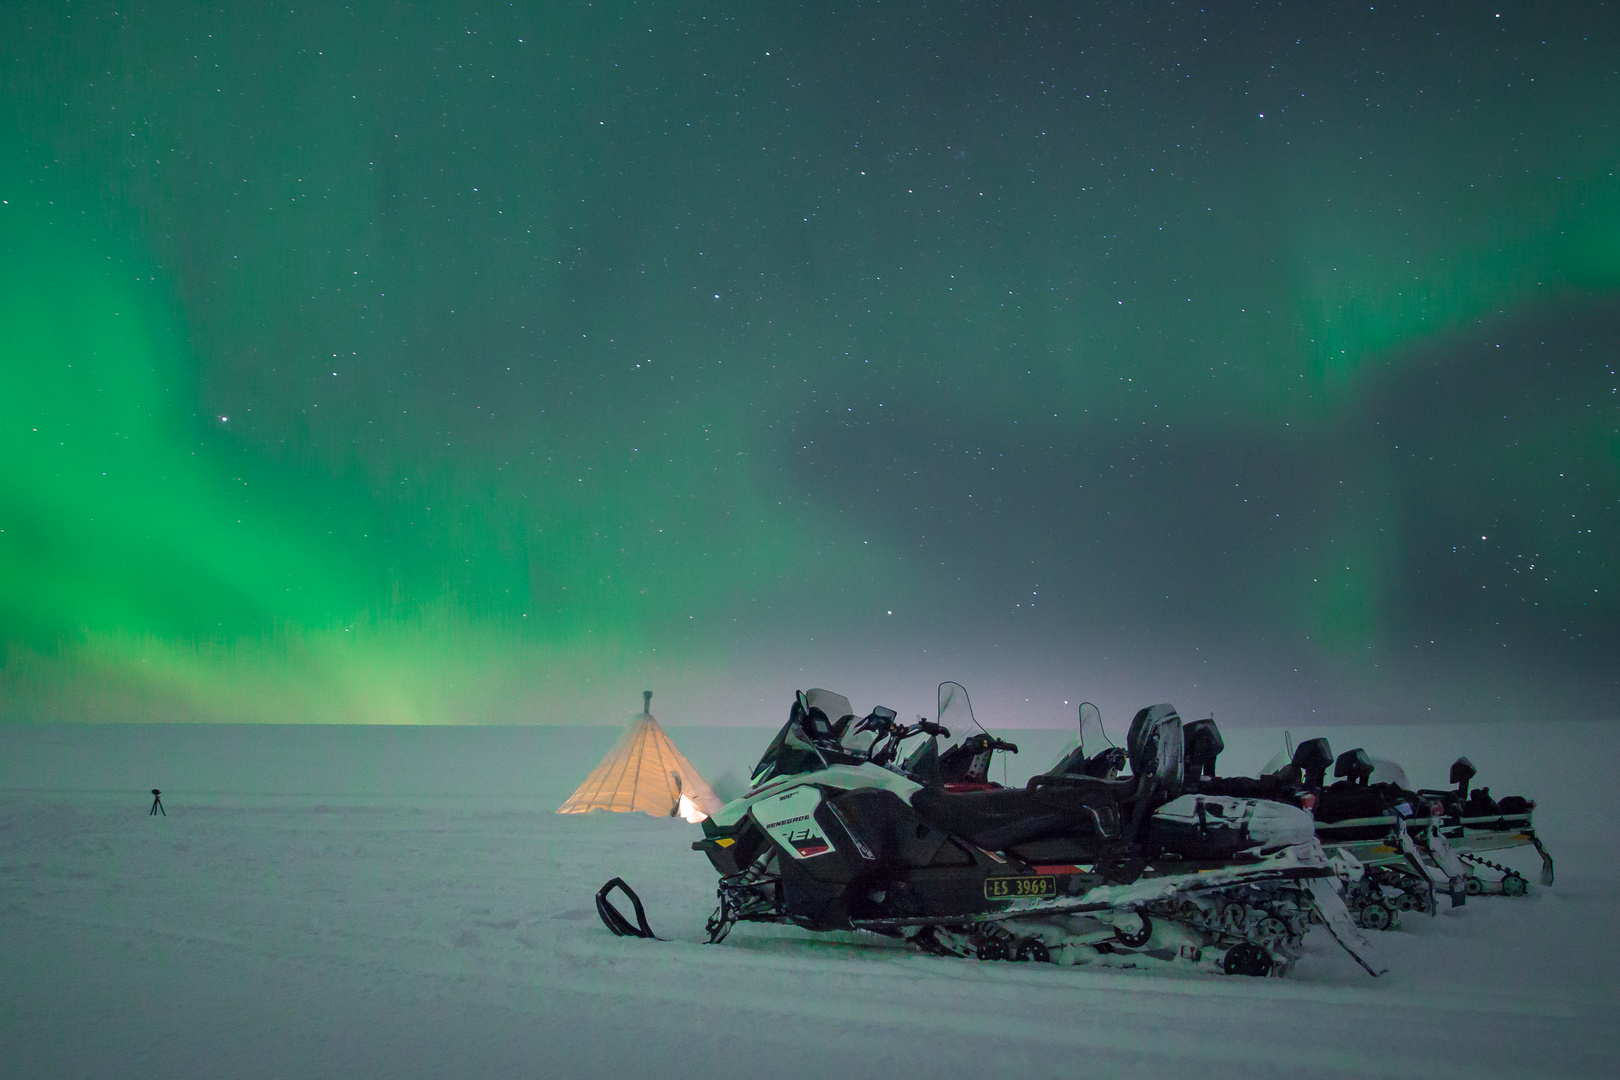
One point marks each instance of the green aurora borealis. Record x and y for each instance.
(458, 363)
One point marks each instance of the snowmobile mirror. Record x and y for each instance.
(1203, 745)
(1354, 766)
(880, 720)
(1312, 758)
(1462, 771)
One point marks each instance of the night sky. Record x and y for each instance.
(428, 363)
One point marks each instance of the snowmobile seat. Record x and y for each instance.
(1347, 799)
(1516, 804)
(1119, 789)
(1278, 786)
(1000, 819)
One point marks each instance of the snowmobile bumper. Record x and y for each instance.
(1336, 917)
(1546, 860)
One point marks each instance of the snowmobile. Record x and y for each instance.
(1411, 844)
(1471, 822)
(834, 835)
(1380, 878)
(1448, 829)
(1392, 858)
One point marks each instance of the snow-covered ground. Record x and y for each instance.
(397, 903)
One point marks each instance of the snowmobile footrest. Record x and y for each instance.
(614, 919)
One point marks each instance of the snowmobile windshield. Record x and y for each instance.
(1387, 772)
(923, 763)
(956, 711)
(1093, 739)
(810, 739)
(1280, 760)
(789, 754)
(1088, 742)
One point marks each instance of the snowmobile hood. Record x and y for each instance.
(846, 777)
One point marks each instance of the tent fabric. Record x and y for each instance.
(642, 772)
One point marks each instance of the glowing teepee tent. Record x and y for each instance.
(645, 772)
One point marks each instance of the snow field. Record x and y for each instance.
(399, 903)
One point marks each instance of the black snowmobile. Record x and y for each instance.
(1464, 823)
(1401, 846)
(1385, 855)
(1072, 868)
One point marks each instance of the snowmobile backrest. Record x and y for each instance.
(1155, 747)
(1312, 758)
(1171, 768)
(1203, 745)
(1462, 771)
(1141, 742)
(1354, 766)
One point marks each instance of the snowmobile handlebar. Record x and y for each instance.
(890, 734)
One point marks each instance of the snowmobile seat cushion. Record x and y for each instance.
(1247, 787)
(1346, 800)
(1516, 804)
(997, 819)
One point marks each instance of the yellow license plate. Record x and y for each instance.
(1008, 888)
